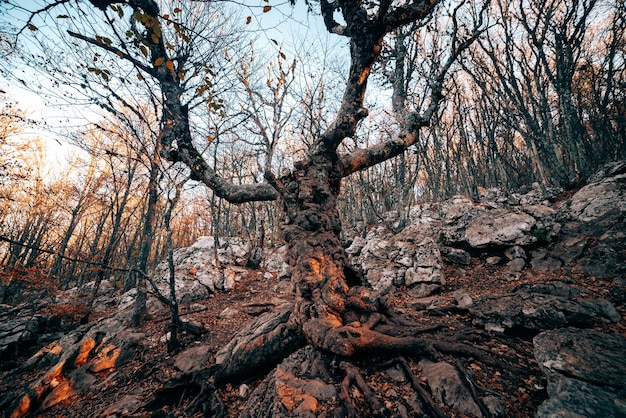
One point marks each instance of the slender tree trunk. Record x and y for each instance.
(56, 266)
(140, 310)
(173, 343)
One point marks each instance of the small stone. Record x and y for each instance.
(515, 252)
(192, 358)
(228, 313)
(463, 299)
(244, 390)
(494, 406)
(308, 405)
(515, 265)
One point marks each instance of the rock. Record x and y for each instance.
(515, 252)
(408, 259)
(192, 358)
(197, 275)
(458, 214)
(273, 258)
(23, 327)
(427, 265)
(228, 313)
(570, 249)
(243, 391)
(603, 308)
(226, 280)
(576, 398)
(500, 227)
(494, 406)
(585, 371)
(357, 245)
(422, 290)
(547, 227)
(448, 388)
(516, 265)
(598, 198)
(381, 279)
(541, 261)
(529, 311)
(76, 363)
(605, 257)
(554, 288)
(126, 406)
(420, 274)
(456, 255)
(422, 303)
(463, 299)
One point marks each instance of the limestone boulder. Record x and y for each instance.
(501, 228)
(605, 192)
(74, 364)
(411, 258)
(540, 306)
(198, 272)
(585, 370)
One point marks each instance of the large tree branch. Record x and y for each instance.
(364, 158)
(201, 171)
(409, 13)
(366, 37)
(328, 9)
(115, 50)
(175, 118)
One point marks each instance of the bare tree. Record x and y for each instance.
(327, 297)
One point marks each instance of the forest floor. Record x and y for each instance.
(521, 385)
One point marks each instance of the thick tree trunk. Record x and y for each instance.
(311, 227)
(335, 313)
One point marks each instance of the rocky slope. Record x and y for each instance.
(532, 286)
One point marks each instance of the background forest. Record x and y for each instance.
(539, 97)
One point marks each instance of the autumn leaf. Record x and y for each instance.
(210, 138)
(267, 9)
(139, 77)
(144, 51)
(177, 10)
(169, 65)
(159, 61)
(32, 27)
(248, 20)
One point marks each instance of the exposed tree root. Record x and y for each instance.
(468, 351)
(353, 376)
(471, 385)
(272, 337)
(434, 409)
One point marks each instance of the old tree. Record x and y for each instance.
(333, 311)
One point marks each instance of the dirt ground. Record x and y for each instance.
(517, 379)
